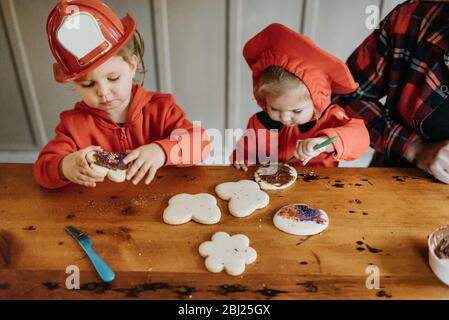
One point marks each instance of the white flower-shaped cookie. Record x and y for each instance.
(229, 253)
(184, 207)
(244, 197)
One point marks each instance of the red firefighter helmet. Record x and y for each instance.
(83, 34)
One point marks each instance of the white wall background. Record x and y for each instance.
(193, 50)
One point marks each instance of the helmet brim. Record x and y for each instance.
(130, 26)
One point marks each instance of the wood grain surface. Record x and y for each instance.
(378, 216)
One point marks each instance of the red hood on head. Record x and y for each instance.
(321, 72)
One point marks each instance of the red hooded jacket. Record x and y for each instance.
(152, 118)
(323, 74)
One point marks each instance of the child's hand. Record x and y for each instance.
(304, 149)
(146, 158)
(241, 164)
(75, 168)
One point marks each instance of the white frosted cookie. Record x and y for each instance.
(117, 175)
(108, 164)
(299, 219)
(184, 207)
(229, 253)
(275, 176)
(244, 197)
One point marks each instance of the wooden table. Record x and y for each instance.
(378, 216)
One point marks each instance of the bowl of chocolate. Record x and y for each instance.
(438, 242)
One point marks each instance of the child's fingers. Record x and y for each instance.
(87, 184)
(304, 162)
(81, 162)
(298, 144)
(92, 174)
(309, 147)
(141, 173)
(133, 155)
(133, 169)
(85, 169)
(83, 153)
(151, 175)
(299, 154)
(85, 181)
(241, 164)
(91, 148)
(300, 149)
(85, 178)
(305, 150)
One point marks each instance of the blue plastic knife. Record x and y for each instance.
(105, 272)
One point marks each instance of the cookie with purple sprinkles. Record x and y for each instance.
(108, 164)
(300, 219)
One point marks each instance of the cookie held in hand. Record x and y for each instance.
(108, 164)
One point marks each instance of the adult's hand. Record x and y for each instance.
(432, 157)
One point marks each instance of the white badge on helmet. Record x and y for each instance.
(80, 34)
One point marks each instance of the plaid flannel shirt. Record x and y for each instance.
(405, 60)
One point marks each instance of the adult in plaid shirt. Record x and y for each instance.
(405, 60)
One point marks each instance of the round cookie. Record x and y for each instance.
(275, 176)
(301, 220)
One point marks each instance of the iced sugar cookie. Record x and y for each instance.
(300, 219)
(275, 176)
(184, 207)
(244, 197)
(229, 253)
(108, 164)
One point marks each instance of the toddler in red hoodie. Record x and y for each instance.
(293, 80)
(100, 54)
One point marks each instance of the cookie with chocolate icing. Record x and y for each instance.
(108, 164)
(300, 219)
(275, 176)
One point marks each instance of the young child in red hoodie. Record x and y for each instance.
(100, 54)
(293, 80)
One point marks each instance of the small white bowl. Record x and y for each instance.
(439, 266)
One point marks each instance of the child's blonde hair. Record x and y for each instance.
(274, 81)
(135, 46)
